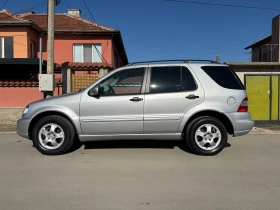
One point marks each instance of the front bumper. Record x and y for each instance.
(241, 121)
(22, 127)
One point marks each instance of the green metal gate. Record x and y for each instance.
(263, 93)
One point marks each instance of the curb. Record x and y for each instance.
(262, 131)
(8, 132)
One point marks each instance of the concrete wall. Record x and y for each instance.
(9, 118)
(242, 77)
(254, 68)
(21, 96)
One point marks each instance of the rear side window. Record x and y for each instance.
(171, 79)
(224, 77)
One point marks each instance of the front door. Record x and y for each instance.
(119, 107)
(172, 92)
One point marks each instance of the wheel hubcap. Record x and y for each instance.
(208, 137)
(51, 136)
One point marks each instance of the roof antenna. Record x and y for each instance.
(218, 58)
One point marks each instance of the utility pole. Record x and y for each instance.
(50, 61)
(271, 47)
(46, 81)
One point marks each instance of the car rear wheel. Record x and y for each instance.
(206, 136)
(53, 135)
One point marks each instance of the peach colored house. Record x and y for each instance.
(79, 44)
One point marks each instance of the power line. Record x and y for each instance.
(4, 4)
(99, 53)
(89, 10)
(33, 7)
(67, 4)
(223, 5)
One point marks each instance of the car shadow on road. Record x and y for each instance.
(134, 144)
(137, 144)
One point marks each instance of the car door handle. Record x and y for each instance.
(192, 96)
(135, 99)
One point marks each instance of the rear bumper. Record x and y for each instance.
(241, 121)
(22, 127)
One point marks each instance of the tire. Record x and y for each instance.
(206, 136)
(53, 135)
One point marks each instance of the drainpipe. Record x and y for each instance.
(41, 49)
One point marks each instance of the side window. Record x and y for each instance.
(224, 76)
(171, 79)
(123, 83)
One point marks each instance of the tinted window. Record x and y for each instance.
(123, 82)
(9, 47)
(171, 79)
(188, 82)
(224, 77)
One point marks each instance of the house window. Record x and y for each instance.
(87, 53)
(264, 57)
(116, 60)
(6, 47)
(31, 51)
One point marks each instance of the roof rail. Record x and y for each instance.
(168, 61)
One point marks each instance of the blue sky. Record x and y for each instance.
(156, 29)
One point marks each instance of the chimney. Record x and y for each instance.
(74, 12)
(276, 38)
(30, 12)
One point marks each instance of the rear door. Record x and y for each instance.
(171, 92)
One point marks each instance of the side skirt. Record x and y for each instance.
(162, 136)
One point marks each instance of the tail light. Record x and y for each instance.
(243, 106)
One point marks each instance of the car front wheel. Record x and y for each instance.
(53, 135)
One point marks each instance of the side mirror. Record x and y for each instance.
(94, 91)
(81, 89)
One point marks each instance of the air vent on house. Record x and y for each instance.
(74, 12)
(30, 12)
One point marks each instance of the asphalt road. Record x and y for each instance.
(141, 175)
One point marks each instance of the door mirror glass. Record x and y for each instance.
(81, 89)
(94, 91)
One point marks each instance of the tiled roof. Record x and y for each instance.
(65, 22)
(86, 65)
(24, 83)
(6, 16)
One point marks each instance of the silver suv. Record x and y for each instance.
(197, 101)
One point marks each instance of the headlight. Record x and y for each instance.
(25, 110)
